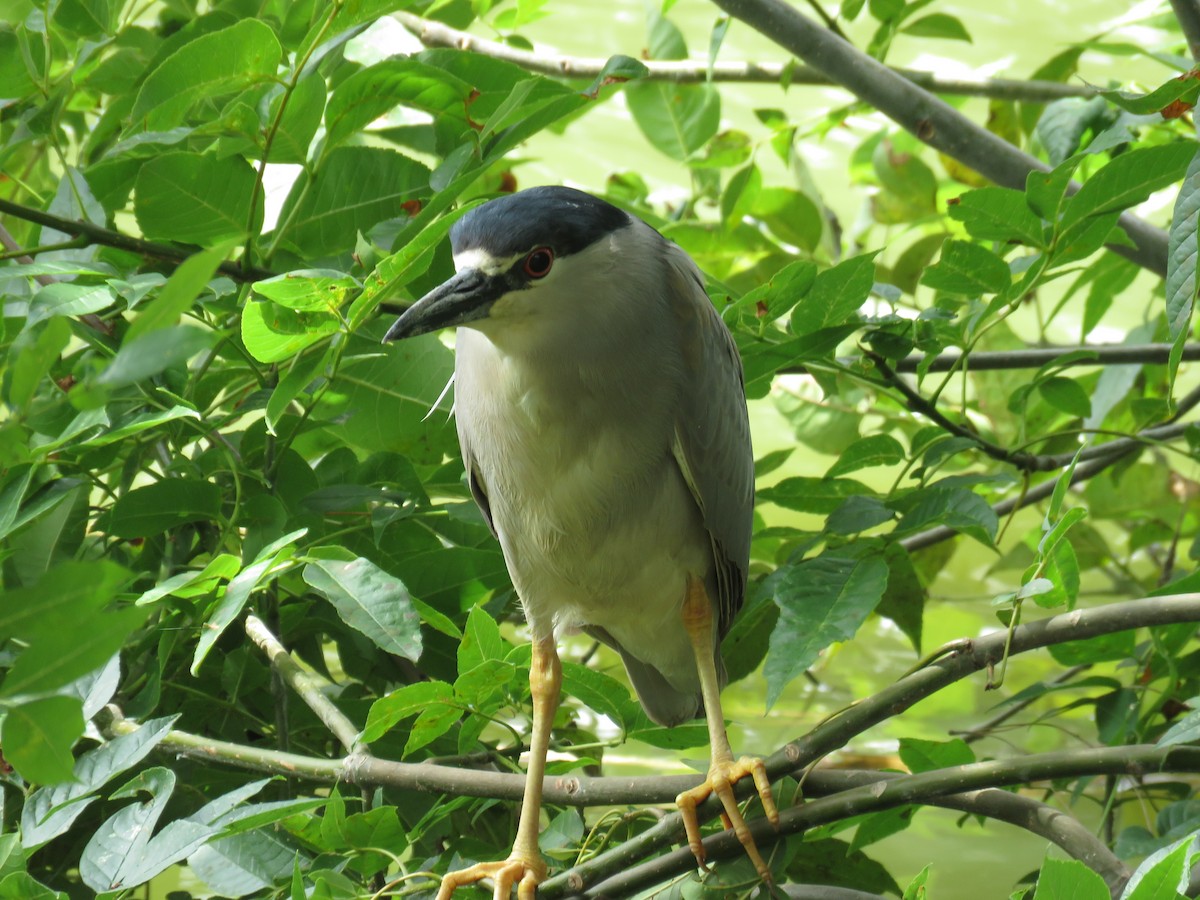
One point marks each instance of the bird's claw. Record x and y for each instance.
(524, 874)
(722, 775)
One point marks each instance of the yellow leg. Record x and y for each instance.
(524, 867)
(723, 770)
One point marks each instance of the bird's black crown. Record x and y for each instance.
(560, 217)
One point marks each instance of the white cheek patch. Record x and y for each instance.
(478, 258)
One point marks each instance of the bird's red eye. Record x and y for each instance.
(539, 262)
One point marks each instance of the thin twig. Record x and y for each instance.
(306, 685)
(110, 238)
(1031, 358)
(435, 34)
(915, 109)
(1085, 470)
(985, 728)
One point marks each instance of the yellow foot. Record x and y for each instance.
(517, 871)
(722, 775)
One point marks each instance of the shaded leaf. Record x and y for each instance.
(820, 601)
(38, 736)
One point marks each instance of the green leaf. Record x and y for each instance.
(938, 25)
(1185, 730)
(955, 507)
(50, 811)
(155, 508)
(38, 737)
(222, 62)
(791, 216)
(370, 601)
(740, 193)
(88, 18)
(382, 400)
(677, 119)
(925, 756)
(917, 887)
(30, 358)
(61, 299)
(70, 592)
(122, 853)
(176, 296)
(266, 566)
(1182, 87)
(1067, 395)
(909, 187)
(1045, 191)
(997, 214)
(369, 93)
(431, 724)
(199, 198)
(1105, 648)
(302, 373)
(868, 452)
(152, 353)
(309, 289)
(274, 333)
(1163, 874)
(1126, 181)
(300, 120)
(134, 425)
(395, 271)
(820, 601)
(402, 703)
(815, 495)
(1064, 122)
(355, 189)
(1069, 879)
(596, 690)
(1183, 262)
(874, 827)
(858, 514)
(968, 269)
(904, 600)
(835, 296)
(60, 656)
(481, 640)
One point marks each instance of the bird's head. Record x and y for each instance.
(515, 257)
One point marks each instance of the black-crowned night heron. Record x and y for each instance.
(602, 420)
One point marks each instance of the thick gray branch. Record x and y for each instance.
(1187, 12)
(933, 121)
(959, 783)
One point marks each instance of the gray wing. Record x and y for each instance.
(712, 433)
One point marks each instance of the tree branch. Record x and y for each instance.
(960, 659)
(1096, 464)
(933, 121)
(887, 792)
(110, 238)
(956, 662)
(1187, 13)
(1032, 358)
(435, 34)
(306, 685)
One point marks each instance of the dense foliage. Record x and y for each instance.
(236, 540)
